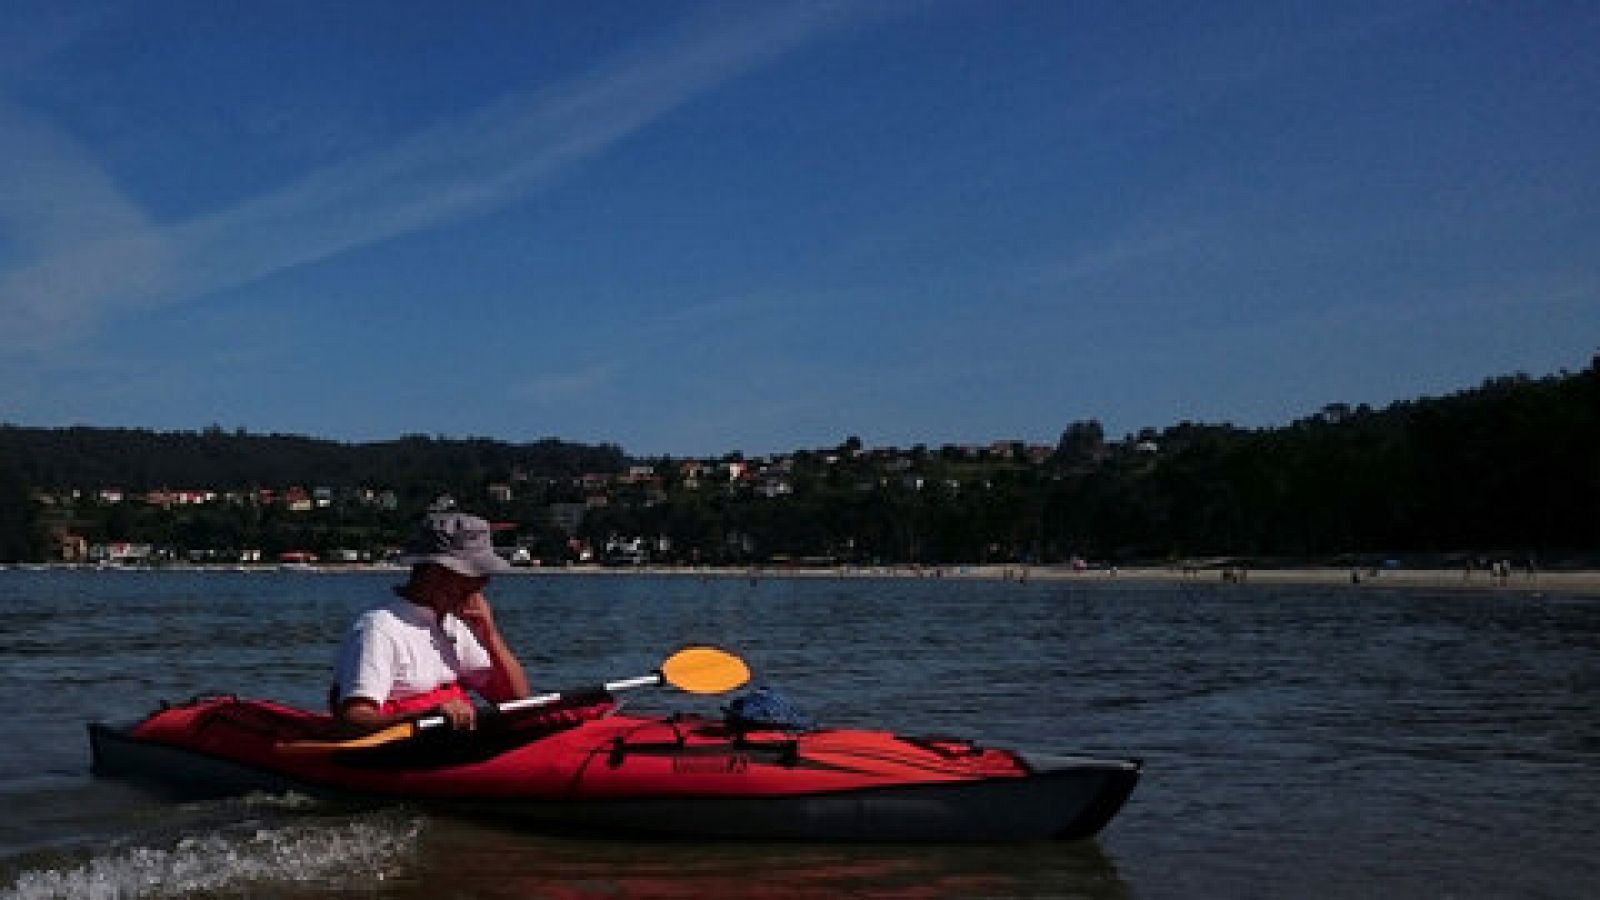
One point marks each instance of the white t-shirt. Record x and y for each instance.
(399, 650)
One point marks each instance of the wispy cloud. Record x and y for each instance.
(73, 235)
(1131, 250)
(87, 254)
(567, 387)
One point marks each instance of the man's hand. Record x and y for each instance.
(476, 614)
(459, 713)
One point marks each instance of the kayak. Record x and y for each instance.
(586, 767)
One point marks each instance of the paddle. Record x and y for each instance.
(698, 670)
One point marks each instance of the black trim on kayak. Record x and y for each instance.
(440, 748)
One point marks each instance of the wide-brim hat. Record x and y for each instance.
(457, 541)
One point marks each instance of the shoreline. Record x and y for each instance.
(1585, 582)
(1575, 582)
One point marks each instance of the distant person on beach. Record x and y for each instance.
(420, 652)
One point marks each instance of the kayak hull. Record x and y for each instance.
(1047, 797)
(1067, 805)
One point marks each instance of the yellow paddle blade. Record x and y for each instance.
(400, 732)
(704, 670)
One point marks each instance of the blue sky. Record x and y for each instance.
(697, 228)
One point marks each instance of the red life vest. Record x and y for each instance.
(423, 703)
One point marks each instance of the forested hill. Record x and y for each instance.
(140, 460)
(1511, 467)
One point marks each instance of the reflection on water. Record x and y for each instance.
(499, 863)
(1318, 743)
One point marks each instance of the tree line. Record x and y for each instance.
(142, 460)
(1509, 468)
(418, 469)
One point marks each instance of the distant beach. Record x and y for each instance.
(1584, 581)
(1574, 582)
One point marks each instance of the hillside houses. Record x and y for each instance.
(770, 477)
(604, 516)
(294, 498)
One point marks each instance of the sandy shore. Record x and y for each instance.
(1584, 582)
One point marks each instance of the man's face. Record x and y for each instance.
(452, 587)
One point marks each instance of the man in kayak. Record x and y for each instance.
(420, 652)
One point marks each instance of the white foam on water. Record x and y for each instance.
(293, 801)
(330, 856)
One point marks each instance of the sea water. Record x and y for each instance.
(1297, 742)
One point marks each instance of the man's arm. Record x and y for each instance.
(362, 715)
(506, 679)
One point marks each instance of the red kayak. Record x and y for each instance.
(587, 767)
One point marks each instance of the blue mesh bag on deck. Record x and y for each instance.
(766, 708)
